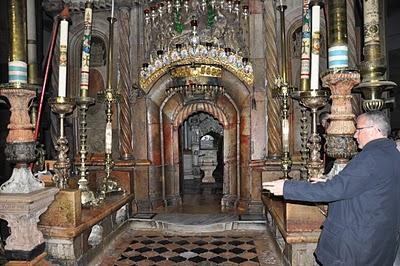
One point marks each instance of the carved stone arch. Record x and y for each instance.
(206, 107)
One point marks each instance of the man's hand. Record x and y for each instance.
(275, 187)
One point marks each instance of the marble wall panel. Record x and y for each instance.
(230, 176)
(258, 127)
(141, 182)
(154, 146)
(168, 143)
(139, 129)
(155, 183)
(171, 182)
(256, 185)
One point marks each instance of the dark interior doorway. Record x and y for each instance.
(201, 174)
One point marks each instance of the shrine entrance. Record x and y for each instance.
(202, 171)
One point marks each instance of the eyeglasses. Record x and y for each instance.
(361, 128)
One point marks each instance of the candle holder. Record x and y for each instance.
(87, 196)
(373, 68)
(282, 91)
(108, 184)
(314, 99)
(62, 106)
(109, 96)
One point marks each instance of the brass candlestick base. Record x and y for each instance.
(303, 135)
(372, 92)
(282, 92)
(88, 198)
(62, 106)
(314, 100)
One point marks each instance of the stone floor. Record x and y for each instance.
(135, 247)
(164, 247)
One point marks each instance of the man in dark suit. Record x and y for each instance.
(362, 226)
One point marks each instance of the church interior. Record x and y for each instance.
(139, 132)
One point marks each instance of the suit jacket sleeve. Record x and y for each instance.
(354, 179)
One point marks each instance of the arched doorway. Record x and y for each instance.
(202, 171)
(166, 111)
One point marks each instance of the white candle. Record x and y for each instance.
(63, 59)
(112, 8)
(87, 36)
(315, 49)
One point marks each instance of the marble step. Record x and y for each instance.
(198, 223)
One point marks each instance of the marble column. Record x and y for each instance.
(125, 84)
(273, 106)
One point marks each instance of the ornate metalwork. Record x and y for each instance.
(87, 196)
(283, 90)
(195, 92)
(207, 32)
(196, 71)
(62, 106)
(304, 139)
(196, 22)
(314, 99)
(373, 67)
(149, 74)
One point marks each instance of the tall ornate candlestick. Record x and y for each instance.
(62, 106)
(373, 67)
(87, 196)
(283, 90)
(304, 85)
(312, 97)
(109, 96)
